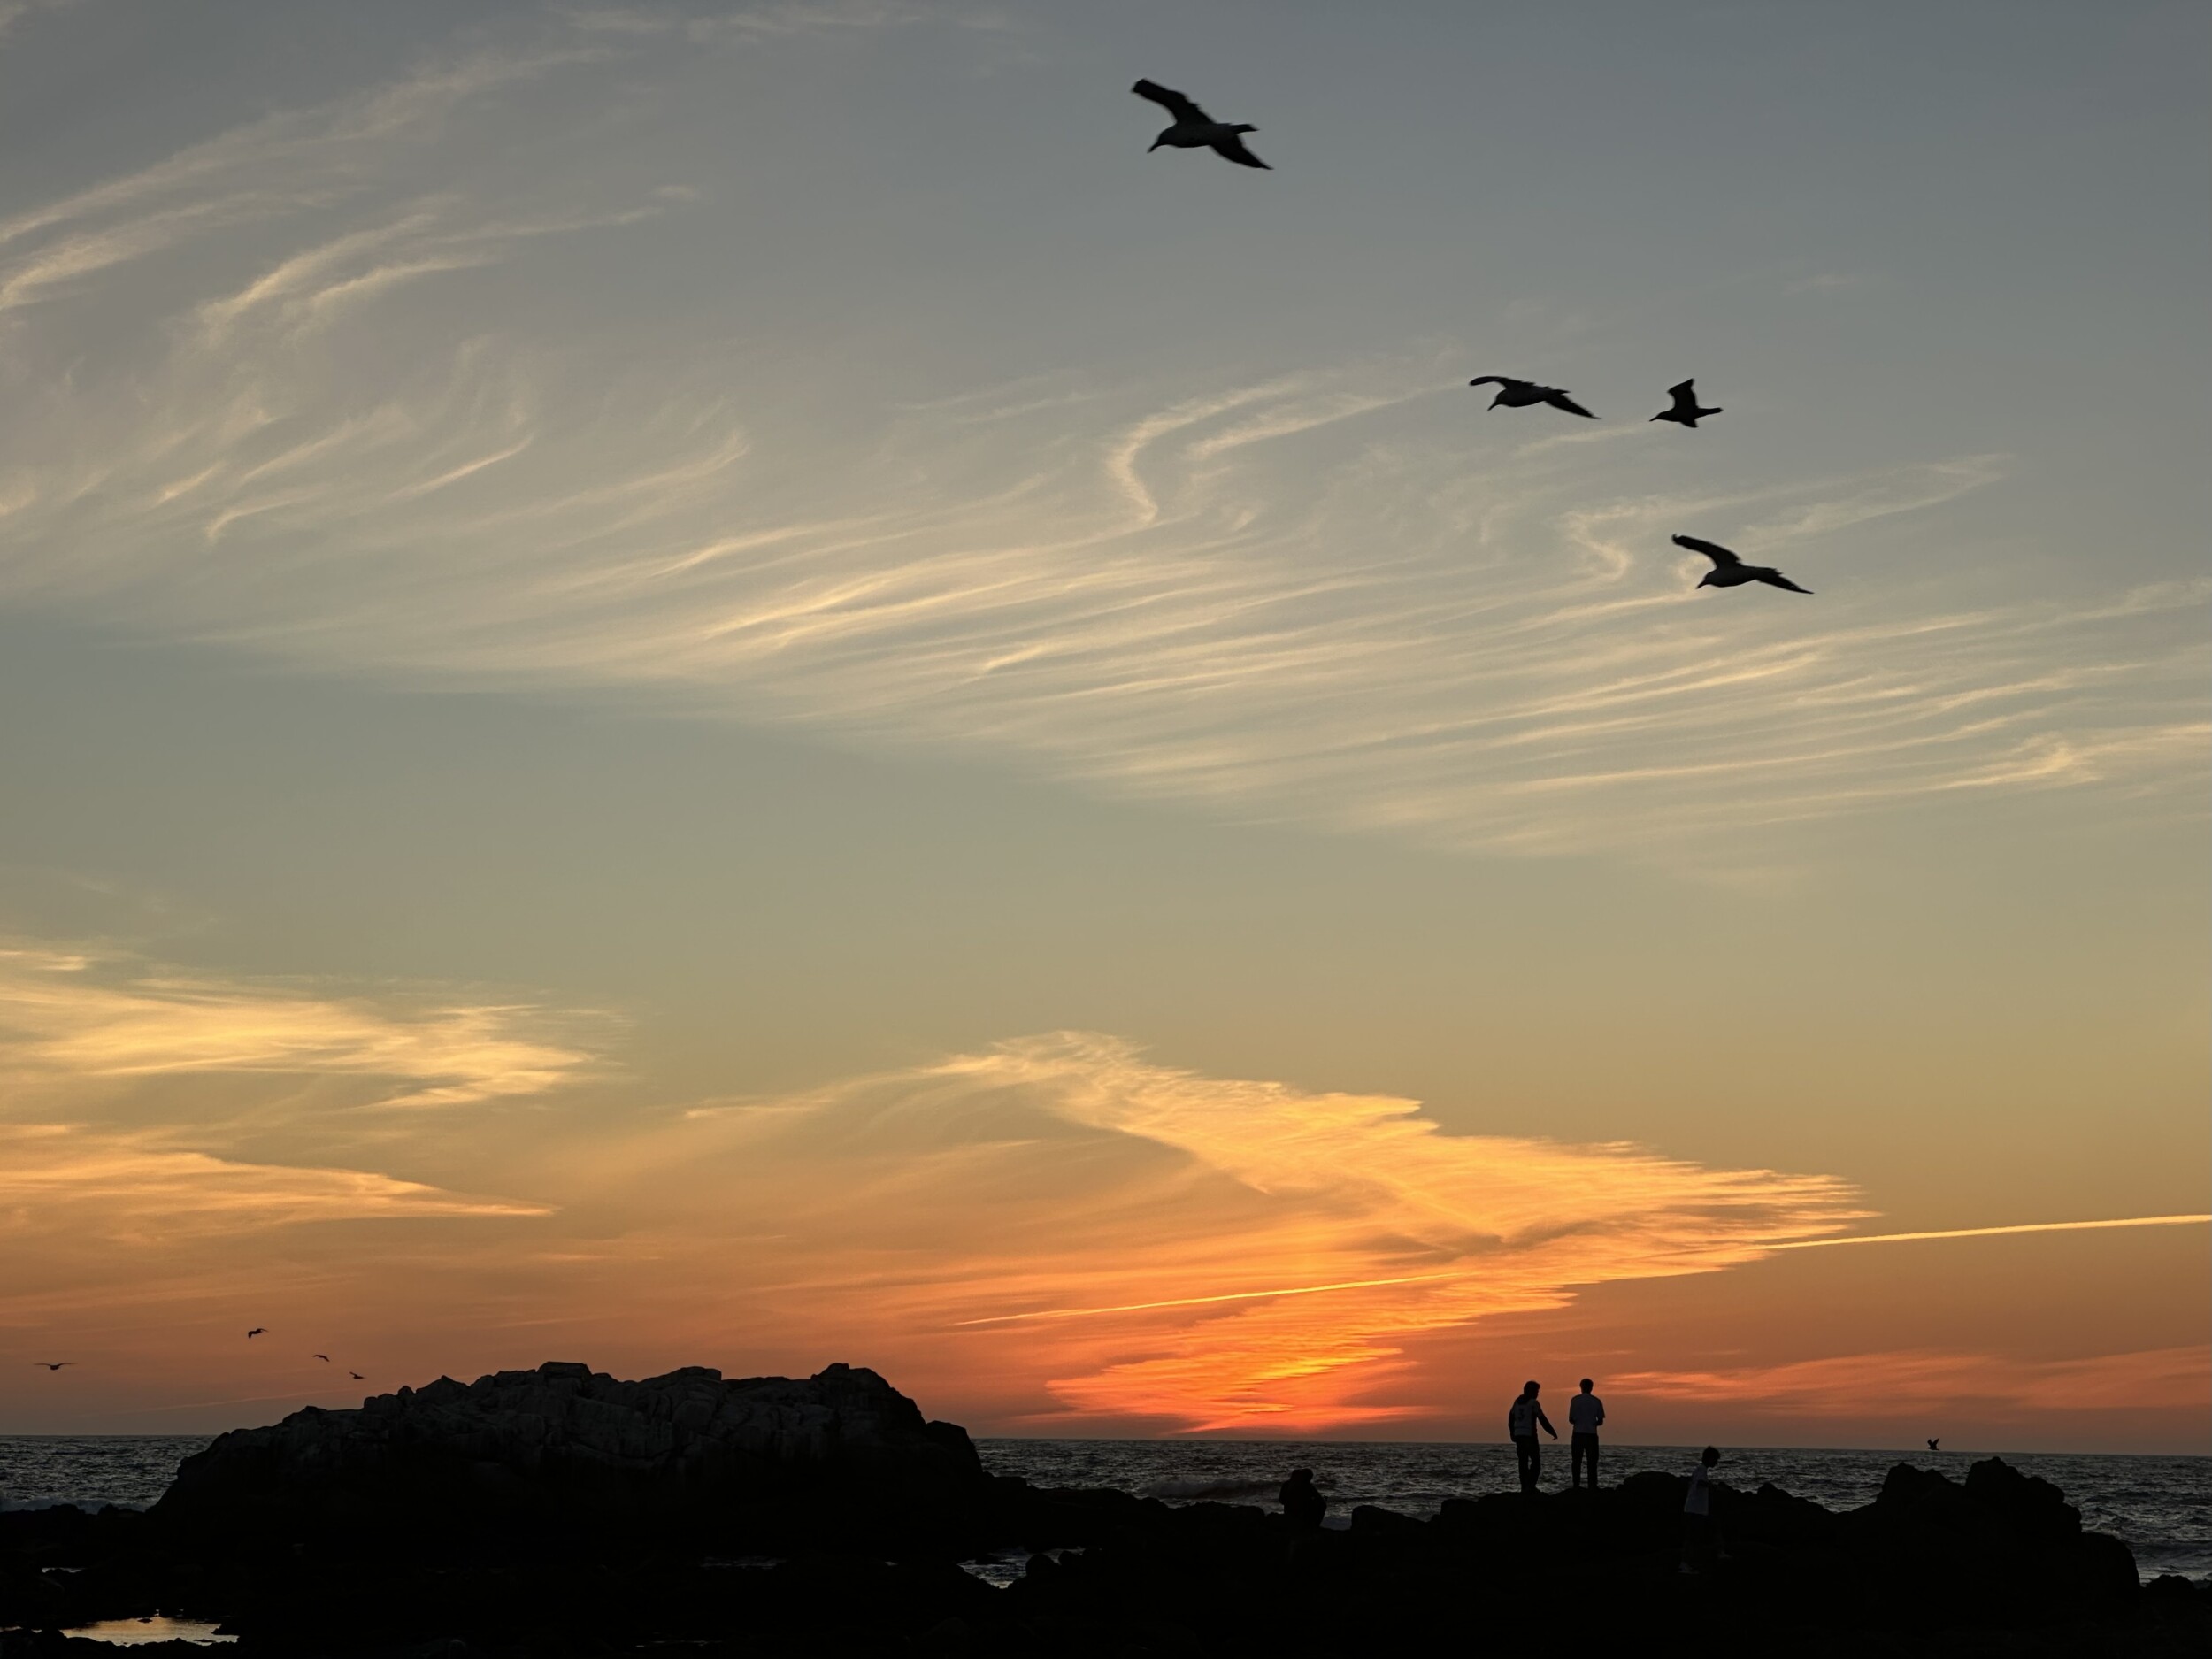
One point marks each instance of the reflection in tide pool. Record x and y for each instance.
(131, 1632)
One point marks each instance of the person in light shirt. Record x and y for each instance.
(1521, 1423)
(1585, 1413)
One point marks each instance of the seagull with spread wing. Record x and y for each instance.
(1514, 394)
(50, 1365)
(1195, 129)
(1730, 571)
(1685, 410)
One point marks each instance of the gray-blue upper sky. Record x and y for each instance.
(842, 365)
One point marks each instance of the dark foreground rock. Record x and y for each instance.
(841, 1458)
(563, 1512)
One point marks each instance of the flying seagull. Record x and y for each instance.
(51, 1364)
(1686, 409)
(1195, 129)
(1520, 394)
(1934, 1443)
(357, 1376)
(324, 1358)
(1730, 571)
(259, 1330)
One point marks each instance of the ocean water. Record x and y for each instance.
(2161, 1507)
(91, 1470)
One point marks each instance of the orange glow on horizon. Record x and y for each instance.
(1055, 1232)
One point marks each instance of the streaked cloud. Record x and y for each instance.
(72, 1017)
(55, 1179)
(1915, 1383)
(323, 388)
(2004, 1231)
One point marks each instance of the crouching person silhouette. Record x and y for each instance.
(1303, 1506)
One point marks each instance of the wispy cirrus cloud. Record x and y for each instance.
(379, 430)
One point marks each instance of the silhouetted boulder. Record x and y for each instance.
(773, 1460)
(1999, 1549)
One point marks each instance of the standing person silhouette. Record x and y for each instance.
(1522, 1422)
(1697, 1514)
(1585, 1413)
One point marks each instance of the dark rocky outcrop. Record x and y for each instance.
(561, 1511)
(564, 1451)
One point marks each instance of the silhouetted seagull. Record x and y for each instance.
(1934, 1443)
(357, 1376)
(259, 1330)
(1514, 394)
(1686, 409)
(1730, 571)
(1195, 129)
(50, 1365)
(324, 1358)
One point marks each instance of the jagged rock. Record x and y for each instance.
(539, 1450)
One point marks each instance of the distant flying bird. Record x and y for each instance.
(357, 1376)
(324, 1358)
(1934, 1443)
(50, 1365)
(1730, 571)
(259, 1330)
(1195, 129)
(1686, 409)
(1520, 394)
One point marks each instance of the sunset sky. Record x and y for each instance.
(705, 683)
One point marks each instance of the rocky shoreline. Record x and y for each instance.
(562, 1511)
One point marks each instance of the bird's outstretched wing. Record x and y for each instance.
(1560, 400)
(1231, 149)
(1685, 398)
(1775, 578)
(1723, 559)
(324, 1358)
(1495, 380)
(1174, 103)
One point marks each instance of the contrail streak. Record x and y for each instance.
(1193, 1301)
(1986, 1232)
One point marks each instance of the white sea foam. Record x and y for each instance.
(137, 1632)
